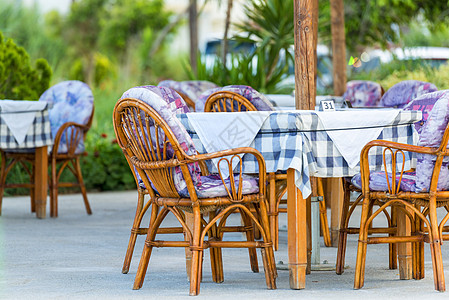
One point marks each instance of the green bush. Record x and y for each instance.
(105, 167)
(18, 79)
(396, 71)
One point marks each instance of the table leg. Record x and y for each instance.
(334, 192)
(404, 249)
(297, 233)
(41, 181)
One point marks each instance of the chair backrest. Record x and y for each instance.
(70, 101)
(405, 91)
(223, 101)
(154, 134)
(258, 100)
(363, 93)
(425, 104)
(190, 90)
(434, 133)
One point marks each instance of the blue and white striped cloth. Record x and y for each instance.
(299, 140)
(38, 134)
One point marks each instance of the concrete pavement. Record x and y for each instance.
(77, 256)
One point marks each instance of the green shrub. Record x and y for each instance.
(18, 79)
(105, 167)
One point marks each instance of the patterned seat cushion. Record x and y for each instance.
(70, 101)
(192, 88)
(212, 186)
(257, 99)
(405, 91)
(378, 181)
(363, 93)
(431, 136)
(425, 104)
(167, 103)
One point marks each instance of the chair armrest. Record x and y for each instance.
(394, 148)
(231, 152)
(77, 133)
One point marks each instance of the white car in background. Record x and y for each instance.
(432, 56)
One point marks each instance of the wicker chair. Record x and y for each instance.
(71, 116)
(159, 148)
(243, 98)
(363, 93)
(424, 103)
(417, 193)
(405, 91)
(177, 105)
(189, 90)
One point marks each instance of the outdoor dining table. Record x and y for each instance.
(25, 127)
(304, 144)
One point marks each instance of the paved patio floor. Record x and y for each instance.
(77, 256)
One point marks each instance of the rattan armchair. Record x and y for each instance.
(424, 103)
(418, 194)
(234, 101)
(71, 116)
(158, 148)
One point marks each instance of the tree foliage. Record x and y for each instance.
(126, 20)
(18, 79)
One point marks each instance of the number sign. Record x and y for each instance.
(327, 105)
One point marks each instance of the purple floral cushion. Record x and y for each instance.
(192, 88)
(165, 102)
(431, 136)
(212, 186)
(363, 93)
(173, 99)
(70, 101)
(425, 104)
(405, 91)
(378, 181)
(256, 98)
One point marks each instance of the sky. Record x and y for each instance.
(47, 5)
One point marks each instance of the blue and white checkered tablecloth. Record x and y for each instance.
(38, 135)
(299, 140)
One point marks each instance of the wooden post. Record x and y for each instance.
(338, 46)
(306, 19)
(335, 187)
(193, 27)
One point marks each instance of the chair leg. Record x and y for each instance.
(323, 215)
(250, 237)
(216, 259)
(343, 236)
(435, 248)
(197, 254)
(393, 247)
(134, 229)
(33, 204)
(361, 249)
(54, 190)
(418, 251)
(273, 210)
(79, 176)
(2, 179)
(148, 248)
(268, 252)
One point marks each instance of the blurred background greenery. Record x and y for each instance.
(116, 44)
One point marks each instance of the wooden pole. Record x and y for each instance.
(306, 21)
(338, 46)
(193, 27)
(334, 185)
